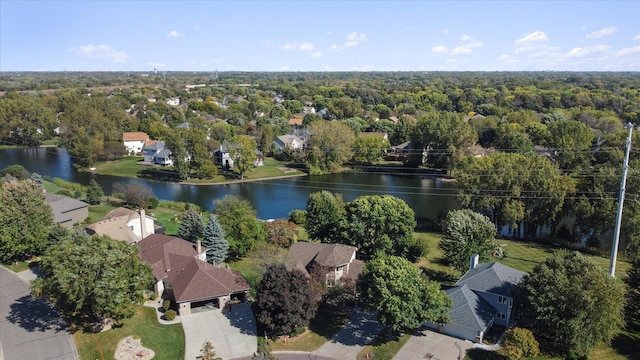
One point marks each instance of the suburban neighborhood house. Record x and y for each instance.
(337, 260)
(481, 298)
(134, 141)
(67, 211)
(125, 225)
(292, 142)
(182, 274)
(155, 152)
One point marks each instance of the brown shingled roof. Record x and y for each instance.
(133, 136)
(301, 254)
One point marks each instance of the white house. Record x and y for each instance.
(134, 141)
(124, 225)
(174, 101)
(293, 142)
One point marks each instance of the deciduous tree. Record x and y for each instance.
(94, 277)
(324, 215)
(392, 286)
(330, 145)
(134, 194)
(284, 301)
(243, 152)
(239, 221)
(466, 233)
(25, 219)
(280, 232)
(370, 149)
(570, 303)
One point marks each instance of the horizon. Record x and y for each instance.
(319, 36)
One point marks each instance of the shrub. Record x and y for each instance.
(153, 296)
(298, 217)
(166, 305)
(153, 203)
(65, 193)
(170, 315)
(519, 343)
(297, 331)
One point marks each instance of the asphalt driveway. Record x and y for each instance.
(428, 344)
(232, 333)
(30, 328)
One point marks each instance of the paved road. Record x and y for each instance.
(30, 329)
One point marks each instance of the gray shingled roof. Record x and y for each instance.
(63, 204)
(470, 310)
(493, 278)
(156, 145)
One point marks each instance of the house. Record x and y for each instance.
(259, 161)
(308, 110)
(296, 125)
(134, 141)
(337, 260)
(156, 153)
(481, 298)
(222, 156)
(173, 101)
(125, 225)
(67, 211)
(293, 142)
(182, 274)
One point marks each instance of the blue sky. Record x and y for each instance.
(319, 35)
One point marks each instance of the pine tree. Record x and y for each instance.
(191, 228)
(214, 240)
(94, 193)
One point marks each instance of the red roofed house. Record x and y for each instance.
(134, 141)
(183, 275)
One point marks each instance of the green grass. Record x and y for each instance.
(127, 166)
(51, 187)
(383, 349)
(18, 266)
(51, 142)
(256, 262)
(98, 212)
(167, 341)
(167, 217)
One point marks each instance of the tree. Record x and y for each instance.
(283, 301)
(134, 194)
(572, 141)
(25, 219)
(207, 352)
(191, 227)
(379, 223)
(330, 145)
(215, 242)
(518, 343)
(369, 149)
(632, 311)
(392, 286)
(570, 303)
(239, 221)
(281, 232)
(95, 277)
(94, 193)
(466, 233)
(325, 212)
(243, 152)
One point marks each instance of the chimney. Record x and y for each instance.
(198, 247)
(143, 224)
(473, 262)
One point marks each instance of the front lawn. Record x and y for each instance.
(167, 341)
(167, 217)
(383, 349)
(127, 166)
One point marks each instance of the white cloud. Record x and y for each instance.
(329, 32)
(588, 50)
(465, 38)
(316, 55)
(602, 33)
(536, 36)
(174, 34)
(526, 48)
(461, 50)
(440, 49)
(636, 38)
(629, 51)
(475, 44)
(104, 52)
(353, 39)
(304, 46)
(445, 31)
(354, 36)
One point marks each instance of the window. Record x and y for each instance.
(502, 316)
(502, 299)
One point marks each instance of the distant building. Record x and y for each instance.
(134, 141)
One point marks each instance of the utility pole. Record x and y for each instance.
(623, 184)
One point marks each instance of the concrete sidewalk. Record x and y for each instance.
(232, 333)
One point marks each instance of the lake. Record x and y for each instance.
(272, 199)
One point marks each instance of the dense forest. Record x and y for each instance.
(527, 149)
